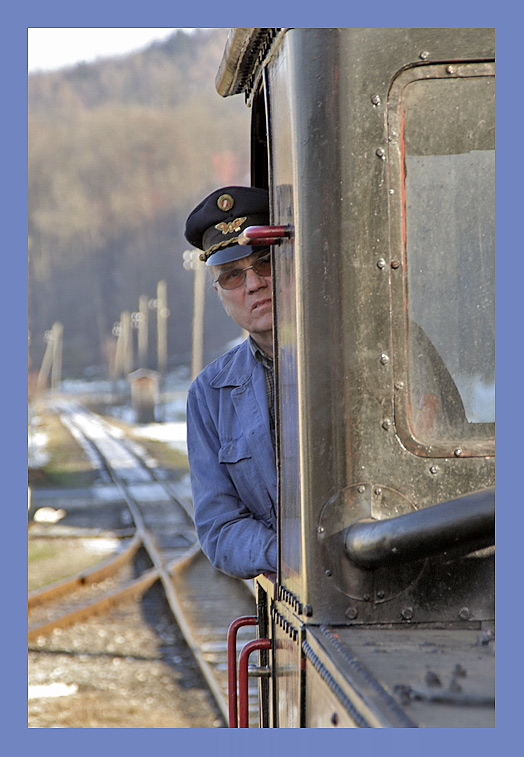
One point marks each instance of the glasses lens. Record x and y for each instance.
(231, 279)
(236, 276)
(263, 266)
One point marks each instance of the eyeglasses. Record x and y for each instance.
(235, 277)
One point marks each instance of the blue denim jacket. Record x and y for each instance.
(232, 463)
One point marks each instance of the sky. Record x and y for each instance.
(52, 48)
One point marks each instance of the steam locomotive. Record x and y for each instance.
(377, 147)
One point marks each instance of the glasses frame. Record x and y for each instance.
(261, 258)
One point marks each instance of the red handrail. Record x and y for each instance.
(246, 620)
(264, 235)
(251, 646)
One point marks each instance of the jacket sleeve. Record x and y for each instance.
(233, 539)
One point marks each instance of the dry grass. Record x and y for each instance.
(51, 560)
(67, 465)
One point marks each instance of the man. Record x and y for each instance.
(230, 408)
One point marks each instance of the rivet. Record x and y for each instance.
(434, 469)
(351, 613)
(384, 359)
(399, 385)
(395, 264)
(375, 99)
(423, 55)
(450, 69)
(328, 572)
(361, 489)
(320, 529)
(381, 263)
(458, 452)
(465, 614)
(378, 490)
(381, 594)
(386, 424)
(380, 153)
(366, 597)
(407, 613)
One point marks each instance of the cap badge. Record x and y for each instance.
(228, 227)
(225, 202)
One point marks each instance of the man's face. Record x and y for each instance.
(250, 304)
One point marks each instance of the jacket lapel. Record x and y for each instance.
(246, 375)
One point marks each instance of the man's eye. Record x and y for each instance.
(230, 275)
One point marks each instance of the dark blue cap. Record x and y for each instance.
(216, 223)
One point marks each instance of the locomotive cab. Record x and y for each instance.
(377, 147)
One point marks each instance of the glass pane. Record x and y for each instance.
(449, 184)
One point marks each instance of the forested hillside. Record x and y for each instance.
(119, 152)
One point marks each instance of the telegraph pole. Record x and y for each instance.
(141, 323)
(162, 314)
(123, 363)
(127, 342)
(52, 360)
(192, 263)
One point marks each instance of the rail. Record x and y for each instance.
(190, 583)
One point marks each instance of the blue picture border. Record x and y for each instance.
(14, 375)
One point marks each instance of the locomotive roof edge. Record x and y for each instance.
(244, 55)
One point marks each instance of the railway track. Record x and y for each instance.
(203, 601)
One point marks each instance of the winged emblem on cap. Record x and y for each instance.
(228, 227)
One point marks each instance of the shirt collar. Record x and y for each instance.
(260, 355)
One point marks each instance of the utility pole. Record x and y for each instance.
(123, 363)
(52, 360)
(192, 263)
(56, 370)
(141, 323)
(127, 342)
(162, 314)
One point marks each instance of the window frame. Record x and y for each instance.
(458, 446)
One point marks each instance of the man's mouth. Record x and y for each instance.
(258, 304)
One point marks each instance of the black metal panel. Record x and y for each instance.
(328, 93)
